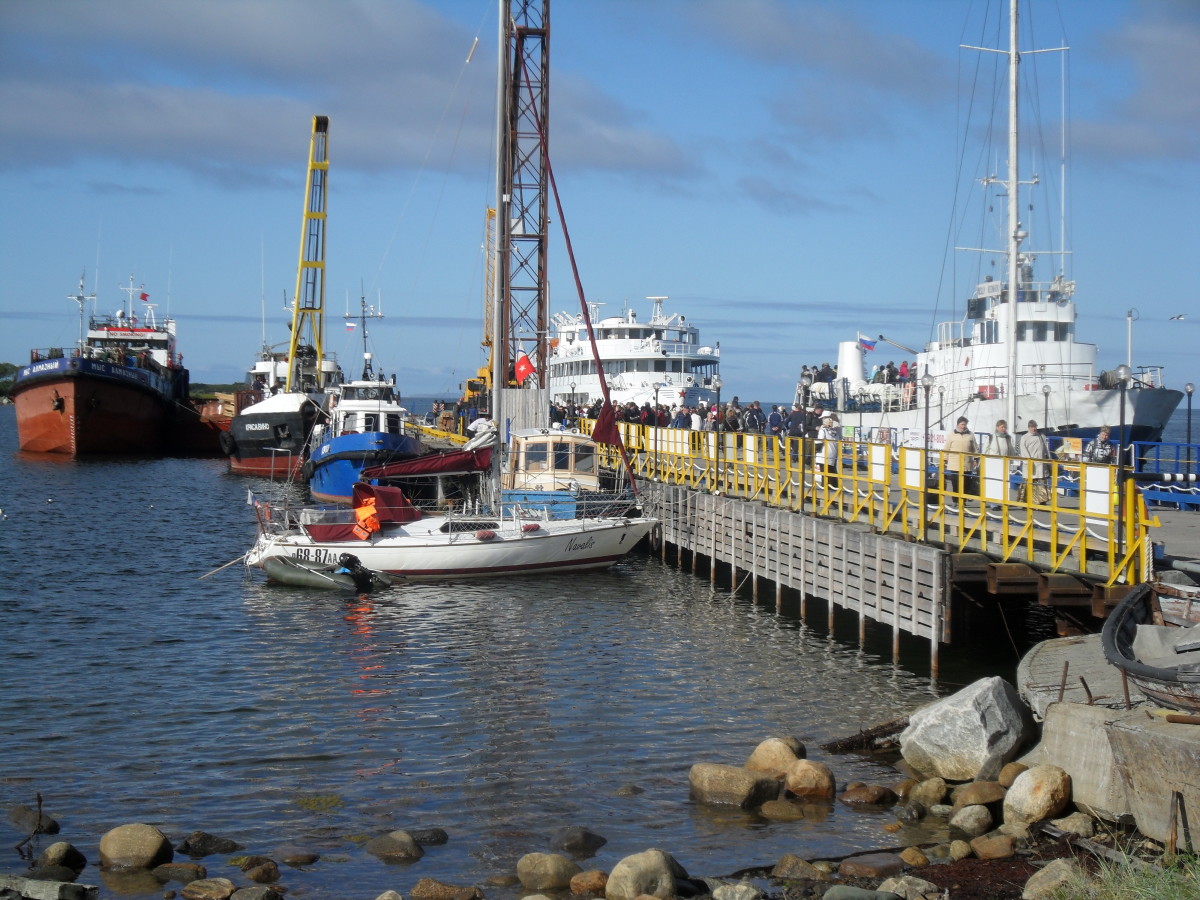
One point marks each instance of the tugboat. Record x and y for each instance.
(366, 428)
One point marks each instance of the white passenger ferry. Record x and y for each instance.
(660, 360)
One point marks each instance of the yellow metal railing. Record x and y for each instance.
(1064, 516)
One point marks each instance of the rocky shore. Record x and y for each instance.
(965, 763)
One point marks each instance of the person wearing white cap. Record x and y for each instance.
(828, 449)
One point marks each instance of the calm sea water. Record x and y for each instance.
(133, 690)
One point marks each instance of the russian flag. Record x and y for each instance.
(865, 342)
(350, 325)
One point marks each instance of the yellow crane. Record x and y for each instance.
(308, 307)
(481, 385)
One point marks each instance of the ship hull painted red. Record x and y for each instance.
(276, 466)
(76, 414)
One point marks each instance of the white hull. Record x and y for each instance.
(421, 550)
(1067, 410)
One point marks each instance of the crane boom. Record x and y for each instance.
(308, 306)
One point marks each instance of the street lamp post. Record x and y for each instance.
(1045, 407)
(658, 386)
(716, 383)
(1189, 389)
(572, 409)
(941, 401)
(927, 384)
(1123, 373)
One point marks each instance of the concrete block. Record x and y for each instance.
(1154, 758)
(1075, 738)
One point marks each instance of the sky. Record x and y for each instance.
(788, 172)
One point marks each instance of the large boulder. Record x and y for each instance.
(775, 756)
(1038, 793)
(973, 732)
(135, 846)
(546, 871)
(730, 785)
(653, 872)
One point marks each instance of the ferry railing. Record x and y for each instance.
(1066, 516)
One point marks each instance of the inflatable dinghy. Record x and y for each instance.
(347, 574)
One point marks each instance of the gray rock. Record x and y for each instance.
(972, 820)
(28, 821)
(910, 812)
(977, 729)
(52, 873)
(742, 890)
(257, 892)
(396, 845)
(652, 872)
(546, 871)
(61, 853)
(184, 873)
(208, 889)
(729, 785)
(201, 843)
(910, 887)
(578, 841)
(430, 837)
(1057, 874)
(929, 792)
(135, 846)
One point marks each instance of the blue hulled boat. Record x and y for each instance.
(366, 427)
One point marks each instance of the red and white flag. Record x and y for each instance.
(524, 367)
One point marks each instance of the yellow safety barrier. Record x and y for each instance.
(1081, 518)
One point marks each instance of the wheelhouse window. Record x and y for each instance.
(536, 457)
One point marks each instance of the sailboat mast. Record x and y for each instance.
(500, 256)
(1015, 234)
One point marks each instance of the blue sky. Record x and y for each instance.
(786, 172)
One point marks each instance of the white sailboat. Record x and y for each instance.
(1014, 355)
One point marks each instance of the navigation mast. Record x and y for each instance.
(308, 307)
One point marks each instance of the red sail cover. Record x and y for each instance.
(450, 462)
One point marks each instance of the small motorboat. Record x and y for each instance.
(1153, 636)
(347, 574)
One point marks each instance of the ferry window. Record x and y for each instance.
(643, 365)
(562, 457)
(370, 422)
(660, 365)
(1021, 331)
(393, 423)
(1039, 331)
(1062, 331)
(535, 457)
(585, 458)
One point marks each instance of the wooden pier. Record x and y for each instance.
(886, 579)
